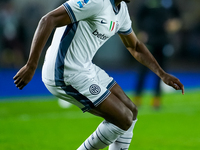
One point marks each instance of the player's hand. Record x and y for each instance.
(23, 77)
(173, 82)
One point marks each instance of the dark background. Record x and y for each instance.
(19, 18)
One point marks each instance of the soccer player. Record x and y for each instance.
(69, 74)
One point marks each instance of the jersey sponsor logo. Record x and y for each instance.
(99, 35)
(112, 26)
(103, 22)
(94, 89)
(82, 3)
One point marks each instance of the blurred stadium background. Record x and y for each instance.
(19, 109)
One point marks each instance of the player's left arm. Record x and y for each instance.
(140, 52)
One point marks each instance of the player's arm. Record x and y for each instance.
(47, 23)
(140, 52)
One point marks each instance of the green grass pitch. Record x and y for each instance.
(40, 124)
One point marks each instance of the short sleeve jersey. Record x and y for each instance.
(74, 46)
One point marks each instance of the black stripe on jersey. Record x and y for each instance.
(62, 51)
(66, 40)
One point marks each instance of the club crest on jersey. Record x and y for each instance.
(81, 3)
(94, 89)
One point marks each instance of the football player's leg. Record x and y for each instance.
(120, 94)
(118, 118)
(123, 141)
(113, 110)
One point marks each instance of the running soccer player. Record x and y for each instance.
(69, 74)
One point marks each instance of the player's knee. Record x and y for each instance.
(134, 111)
(127, 120)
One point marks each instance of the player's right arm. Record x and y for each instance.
(56, 18)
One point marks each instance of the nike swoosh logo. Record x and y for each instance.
(123, 148)
(103, 22)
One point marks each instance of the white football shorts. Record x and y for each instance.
(84, 90)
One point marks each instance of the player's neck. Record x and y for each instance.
(117, 2)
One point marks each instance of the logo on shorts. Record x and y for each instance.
(94, 89)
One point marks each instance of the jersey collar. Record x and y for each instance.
(115, 8)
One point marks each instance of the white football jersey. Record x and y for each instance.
(74, 46)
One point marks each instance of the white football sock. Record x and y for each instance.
(124, 141)
(105, 134)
